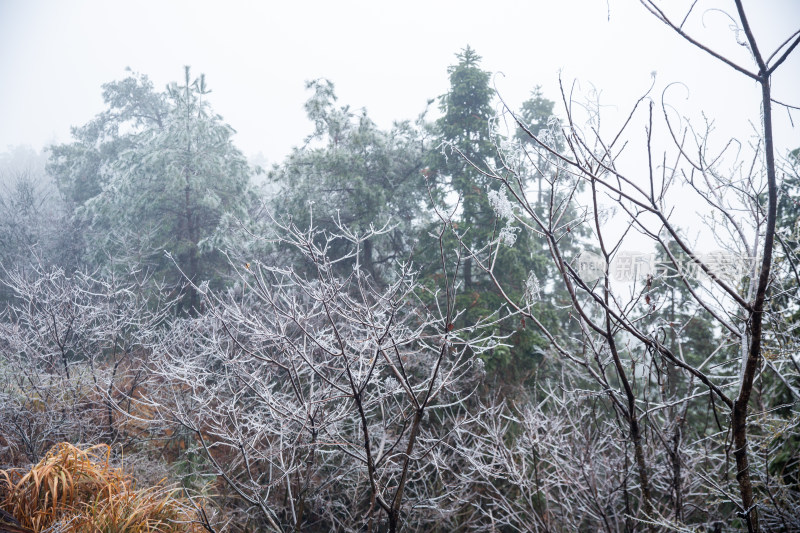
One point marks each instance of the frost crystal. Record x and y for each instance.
(392, 386)
(501, 205)
(533, 291)
(508, 235)
(479, 365)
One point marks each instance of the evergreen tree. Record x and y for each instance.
(536, 113)
(80, 167)
(466, 142)
(788, 227)
(350, 173)
(678, 321)
(155, 173)
(783, 339)
(463, 167)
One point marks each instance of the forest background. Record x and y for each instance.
(487, 317)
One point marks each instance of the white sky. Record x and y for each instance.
(388, 57)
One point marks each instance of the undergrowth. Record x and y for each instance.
(75, 490)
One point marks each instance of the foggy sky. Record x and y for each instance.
(388, 57)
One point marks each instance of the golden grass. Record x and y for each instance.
(80, 490)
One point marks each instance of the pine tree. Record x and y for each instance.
(157, 172)
(354, 174)
(463, 167)
(466, 142)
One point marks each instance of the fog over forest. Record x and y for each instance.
(351, 267)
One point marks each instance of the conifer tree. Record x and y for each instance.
(466, 143)
(353, 174)
(157, 172)
(466, 158)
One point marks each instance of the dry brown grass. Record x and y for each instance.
(78, 491)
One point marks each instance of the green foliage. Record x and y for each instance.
(351, 173)
(535, 114)
(788, 231)
(80, 167)
(782, 342)
(682, 325)
(155, 172)
(463, 167)
(467, 147)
